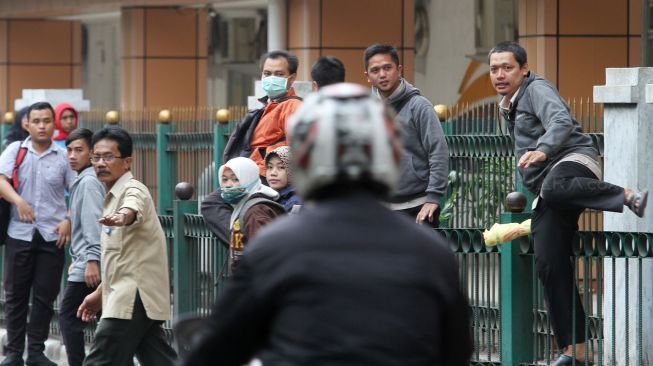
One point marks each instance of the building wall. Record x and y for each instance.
(164, 59)
(37, 54)
(345, 28)
(571, 43)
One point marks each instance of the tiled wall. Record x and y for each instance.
(571, 42)
(38, 54)
(164, 58)
(344, 28)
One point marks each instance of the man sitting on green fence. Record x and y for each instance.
(559, 164)
(264, 129)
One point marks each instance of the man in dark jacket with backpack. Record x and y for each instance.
(261, 130)
(264, 129)
(425, 159)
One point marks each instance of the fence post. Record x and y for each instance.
(220, 129)
(516, 291)
(111, 118)
(166, 162)
(181, 261)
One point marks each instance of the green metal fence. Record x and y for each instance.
(509, 318)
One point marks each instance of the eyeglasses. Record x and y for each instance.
(106, 158)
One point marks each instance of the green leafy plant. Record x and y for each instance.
(476, 195)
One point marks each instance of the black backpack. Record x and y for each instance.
(239, 140)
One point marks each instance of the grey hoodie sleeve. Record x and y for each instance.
(91, 210)
(434, 143)
(554, 115)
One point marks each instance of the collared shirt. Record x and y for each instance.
(134, 257)
(43, 179)
(506, 104)
(86, 197)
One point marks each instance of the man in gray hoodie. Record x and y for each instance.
(425, 159)
(86, 196)
(559, 164)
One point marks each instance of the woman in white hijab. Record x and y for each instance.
(254, 203)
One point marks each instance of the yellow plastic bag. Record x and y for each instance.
(501, 233)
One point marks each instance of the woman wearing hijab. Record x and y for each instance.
(253, 203)
(279, 176)
(65, 120)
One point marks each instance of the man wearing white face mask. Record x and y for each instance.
(263, 130)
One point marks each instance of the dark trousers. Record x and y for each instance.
(413, 211)
(118, 340)
(34, 266)
(72, 328)
(566, 191)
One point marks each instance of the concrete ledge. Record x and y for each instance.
(648, 93)
(625, 94)
(626, 76)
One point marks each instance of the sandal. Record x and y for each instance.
(637, 202)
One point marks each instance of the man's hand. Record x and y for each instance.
(92, 274)
(91, 305)
(122, 217)
(63, 229)
(427, 212)
(25, 212)
(530, 158)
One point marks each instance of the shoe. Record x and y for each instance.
(38, 359)
(565, 360)
(13, 359)
(637, 202)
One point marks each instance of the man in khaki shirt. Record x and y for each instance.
(134, 296)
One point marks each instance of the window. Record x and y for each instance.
(494, 21)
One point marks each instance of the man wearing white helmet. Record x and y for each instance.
(347, 282)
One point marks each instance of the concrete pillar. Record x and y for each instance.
(628, 112)
(277, 25)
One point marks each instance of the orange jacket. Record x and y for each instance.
(270, 132)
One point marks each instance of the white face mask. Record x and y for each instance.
(274, 86)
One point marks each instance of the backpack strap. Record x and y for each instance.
(20, 156)
(255, 201)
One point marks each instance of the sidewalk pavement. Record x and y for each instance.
(54, 349)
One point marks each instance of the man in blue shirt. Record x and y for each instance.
(38, 230)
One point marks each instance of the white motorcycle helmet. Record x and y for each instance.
(343, 135)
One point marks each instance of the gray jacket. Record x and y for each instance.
(86, 197)
(425, 160)
(539, 119)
